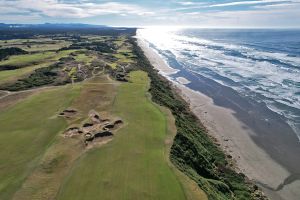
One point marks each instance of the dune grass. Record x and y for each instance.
(27, 129)
(133, 165)
(191, 188)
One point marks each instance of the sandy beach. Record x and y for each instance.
(235, 135)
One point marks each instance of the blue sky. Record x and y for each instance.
(199, 13)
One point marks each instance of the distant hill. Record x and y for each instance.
(14, 31)
(53, 26)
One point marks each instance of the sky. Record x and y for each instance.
(140, 13)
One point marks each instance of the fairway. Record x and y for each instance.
(11, 75)
(36, 58)
(27, 129)
(86, 114)
(23, 60)
(133, 165)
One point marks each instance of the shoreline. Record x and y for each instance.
(234, 136)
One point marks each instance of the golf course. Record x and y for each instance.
(39, 160)
(85, 116)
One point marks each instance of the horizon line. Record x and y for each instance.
(160, 26)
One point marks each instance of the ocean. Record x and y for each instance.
(260, 65)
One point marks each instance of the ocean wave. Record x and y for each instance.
(246, 51)
(274, 76)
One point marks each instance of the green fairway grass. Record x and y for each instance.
(84, 58)
(134, 164)
(12, 75)
(35, 45)
(26, 131)
(123, 58)
(113, 65)
(30, 59)
(23, 60)
(45, 47)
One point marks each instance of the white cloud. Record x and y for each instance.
(282, 5)
(189, 3)
(255, 3)
(278, 13)
(276, 16)
(56, 8)
(238, 3)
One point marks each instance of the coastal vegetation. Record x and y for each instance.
(193, 151)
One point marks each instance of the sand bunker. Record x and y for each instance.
(72, 131)
(93, 130)
(68, 113)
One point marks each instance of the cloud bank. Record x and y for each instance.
(203, 13)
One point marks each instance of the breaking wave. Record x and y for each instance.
(268, 72)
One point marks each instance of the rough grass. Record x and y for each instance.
(27, 129)
(133, 165)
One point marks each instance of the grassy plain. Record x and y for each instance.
(133, 165)
(27, 130)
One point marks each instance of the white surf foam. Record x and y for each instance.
(253, 71)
